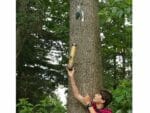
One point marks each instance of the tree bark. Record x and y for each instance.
(20, 40)
(88, 66)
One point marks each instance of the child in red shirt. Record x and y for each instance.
(97, 104)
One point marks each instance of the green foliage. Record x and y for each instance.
(47, 105)
(24, 106)
(116, 27)
(116, 40)
(122, 96)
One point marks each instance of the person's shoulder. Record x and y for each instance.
(106, 110)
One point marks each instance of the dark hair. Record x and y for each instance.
(107, 96)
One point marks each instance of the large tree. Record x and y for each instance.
(84, 31)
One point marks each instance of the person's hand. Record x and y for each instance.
(70, 72)
(87, 99)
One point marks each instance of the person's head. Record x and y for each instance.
(104, 97)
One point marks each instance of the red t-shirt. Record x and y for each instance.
(104, 110)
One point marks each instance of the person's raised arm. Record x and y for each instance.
(84, 100)
(75, 90)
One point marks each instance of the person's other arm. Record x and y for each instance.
(87, 101)
(91, 110)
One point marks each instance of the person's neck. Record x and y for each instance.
(99, 105)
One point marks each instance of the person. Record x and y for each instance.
(96, 105)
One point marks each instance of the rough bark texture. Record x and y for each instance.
(88, 65)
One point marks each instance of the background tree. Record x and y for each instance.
(42, 30)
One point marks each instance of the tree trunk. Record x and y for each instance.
(123, 64)
(88, 66)
(115, 73)
(21, 8)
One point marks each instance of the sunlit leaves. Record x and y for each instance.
(47, 105)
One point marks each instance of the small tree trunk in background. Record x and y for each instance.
(124, 64)
(115, 73)
(88, 67)
(21, 8)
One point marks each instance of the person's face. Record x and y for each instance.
(98, 98)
